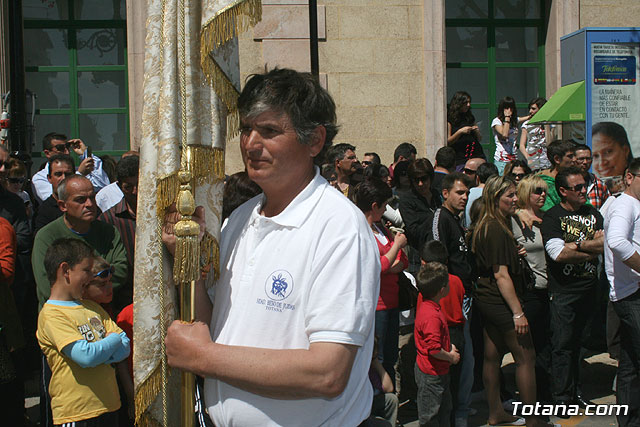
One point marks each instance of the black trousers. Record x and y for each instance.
(537, 309)
(569, 315)
(628, 383)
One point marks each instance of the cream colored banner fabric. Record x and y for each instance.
(208, 96)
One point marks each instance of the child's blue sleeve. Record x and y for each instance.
(91, 354)
(123, 350)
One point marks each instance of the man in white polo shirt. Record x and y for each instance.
(291, 332)
(622, 263)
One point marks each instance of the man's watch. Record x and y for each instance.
(578, 243)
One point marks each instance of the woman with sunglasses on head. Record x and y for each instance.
(462, 131)
(498, 297)
(532, 193)
(517, 170)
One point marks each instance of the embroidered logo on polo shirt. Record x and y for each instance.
(278, 285)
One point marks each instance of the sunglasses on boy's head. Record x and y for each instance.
(19, 180)
(106, 273)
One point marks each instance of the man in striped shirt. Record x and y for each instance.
(123, 215)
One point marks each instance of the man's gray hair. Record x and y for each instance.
(298, 95)
(62, 187)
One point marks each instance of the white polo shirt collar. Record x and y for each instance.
(295, 214)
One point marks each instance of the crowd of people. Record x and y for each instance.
(44, 215)
(407, 285)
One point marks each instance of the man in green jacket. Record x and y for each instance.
(77, 201)
(561, 154)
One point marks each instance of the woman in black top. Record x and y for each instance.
(498, 297)
(462, 132)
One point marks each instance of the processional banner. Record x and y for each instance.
(191, 85)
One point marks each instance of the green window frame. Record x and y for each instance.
(492, 65)
(74, 111)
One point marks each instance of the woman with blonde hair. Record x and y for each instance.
(532, 193)
(498, 297)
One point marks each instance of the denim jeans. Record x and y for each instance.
(434, 399)
(569, 315)
(387, 328)
(467, 362)
(628, 385)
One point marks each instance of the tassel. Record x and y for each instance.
(186, 266)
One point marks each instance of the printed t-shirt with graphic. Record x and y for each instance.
(581, 225)
(505, 149)
(77, 393)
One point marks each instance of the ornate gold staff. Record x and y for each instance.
(187, 254)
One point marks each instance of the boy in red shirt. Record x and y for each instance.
(435, 352)
(435, 251)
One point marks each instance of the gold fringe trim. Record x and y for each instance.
(207, 163)
(210, 253)
(145, 395)
(221, 84)
(207, 166)
(233, 125)
(167, 189)
(227, 24)
(146, 420)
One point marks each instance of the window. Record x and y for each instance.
(495, 48)
(76, 64)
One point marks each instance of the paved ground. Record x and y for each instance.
(597, 375)
(598, 372)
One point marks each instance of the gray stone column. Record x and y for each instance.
(136, 33)
(435, 76)
(564, 18)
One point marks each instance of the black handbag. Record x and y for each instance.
(528, 275)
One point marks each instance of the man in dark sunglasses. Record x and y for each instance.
(90, 166)
(572, 232)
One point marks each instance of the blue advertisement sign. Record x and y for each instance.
(614, 70)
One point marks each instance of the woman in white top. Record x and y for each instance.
(532, 193)
(535, 138)
(505, 132)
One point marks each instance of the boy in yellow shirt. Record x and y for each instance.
(79, 340)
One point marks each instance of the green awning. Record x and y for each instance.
(566, 105)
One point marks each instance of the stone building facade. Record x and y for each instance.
(391, 65)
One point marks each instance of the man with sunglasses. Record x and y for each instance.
(90, 165)
(572, 233)
(471, 168)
